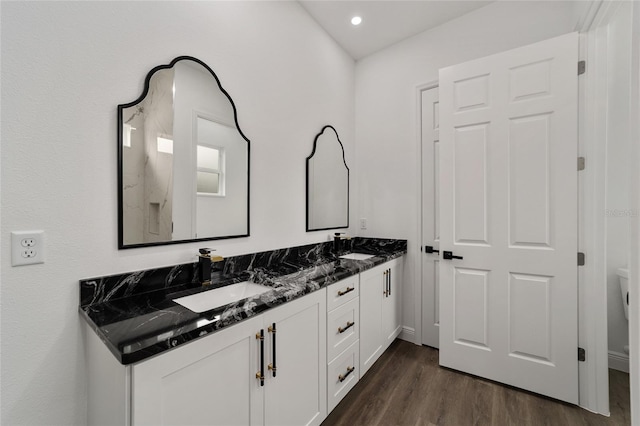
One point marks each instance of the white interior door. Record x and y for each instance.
(430, 140)
(508, 306)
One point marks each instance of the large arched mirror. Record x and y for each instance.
(183, 162)
(327, 183)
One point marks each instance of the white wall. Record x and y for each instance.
(617, 181)
(386, 117)
(65, 67)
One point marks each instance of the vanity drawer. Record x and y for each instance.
(342, 375)
(343, 327)
(343, 291)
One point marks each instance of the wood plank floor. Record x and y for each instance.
(407, 387)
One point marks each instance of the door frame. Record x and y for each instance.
(593, 90)
(634, 189)
(595, 27)
(592, 329)
(592, 294)
(419, 252)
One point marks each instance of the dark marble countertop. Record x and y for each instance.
(135, 316)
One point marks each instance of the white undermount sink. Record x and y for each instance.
(211, 299)
(357, 256)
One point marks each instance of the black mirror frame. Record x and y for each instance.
(120, 109)
(313, 151)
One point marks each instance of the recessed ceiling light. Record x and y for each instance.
(356, 20)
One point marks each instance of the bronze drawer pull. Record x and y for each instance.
(260, 374)
(349, 289)
(349, 325)
(349, 371)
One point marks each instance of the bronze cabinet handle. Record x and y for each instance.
(342, 377)
(349, 289)
(349, 325)
(260, 374)
(384, 274)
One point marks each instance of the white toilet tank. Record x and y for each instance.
(623, 276)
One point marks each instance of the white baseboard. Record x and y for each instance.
(619, 361)
(408, 334)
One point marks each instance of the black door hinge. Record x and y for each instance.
(582, 67)
(582, 354)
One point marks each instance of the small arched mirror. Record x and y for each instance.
(327, 183)
(183, 172)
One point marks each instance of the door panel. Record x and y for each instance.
(508, 209)
(529, 317)
(470, 307)
(470, 184)
(471, 93)
(530, 198)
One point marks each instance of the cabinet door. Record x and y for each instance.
(372, 286)
(392, 302)
(297, 393)
(210, 381)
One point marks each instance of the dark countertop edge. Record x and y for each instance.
(178, 340)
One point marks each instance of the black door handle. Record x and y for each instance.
(448, 255)
(430, 249)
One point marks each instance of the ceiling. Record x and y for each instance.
(383, 22)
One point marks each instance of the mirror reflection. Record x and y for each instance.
(184, 162)
(327, 183)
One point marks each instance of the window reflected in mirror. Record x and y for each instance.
(209, 171)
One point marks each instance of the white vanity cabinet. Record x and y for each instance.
(313, 352)
(212, 381)
(343, 333)
(380, 310)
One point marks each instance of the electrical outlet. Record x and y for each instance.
(27, 247)
(363, 223)
(28, 242)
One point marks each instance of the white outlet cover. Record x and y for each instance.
(27, 254)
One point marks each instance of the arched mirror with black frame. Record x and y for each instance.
(183, 161)
(327, 183)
